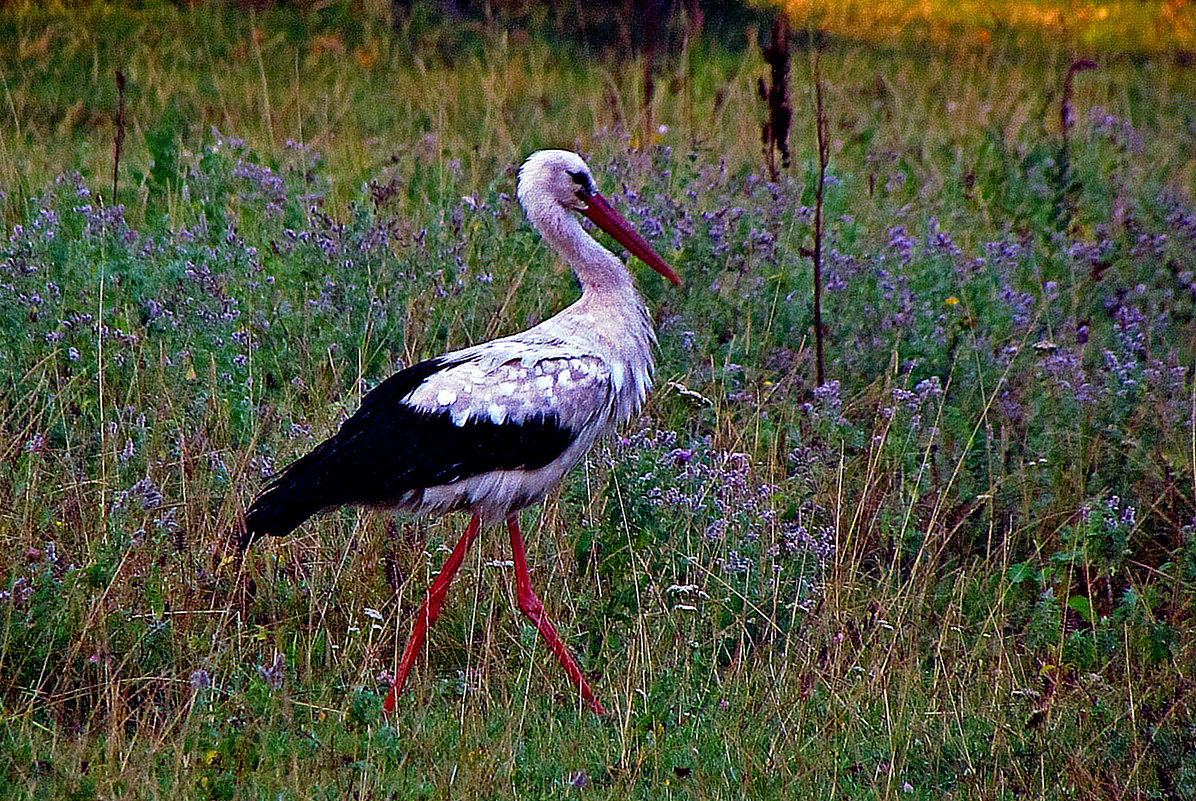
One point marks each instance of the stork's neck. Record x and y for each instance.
(597, 268)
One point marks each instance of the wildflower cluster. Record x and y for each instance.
(722, 498)
(1102, 536)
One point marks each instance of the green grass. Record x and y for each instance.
(967, 570)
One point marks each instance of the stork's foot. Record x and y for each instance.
(533, 608)
(430, 611)
(529, 603)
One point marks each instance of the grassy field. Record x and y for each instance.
(964, 567)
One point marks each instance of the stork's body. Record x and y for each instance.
(494, 427)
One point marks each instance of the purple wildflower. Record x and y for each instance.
(1021, 304)
(902, 242)
(267, 184)
(200, 679)
(275, 674)
(1120, 132)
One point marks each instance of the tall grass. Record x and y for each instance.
(962, 567)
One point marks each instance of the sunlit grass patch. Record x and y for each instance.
(1142, 26)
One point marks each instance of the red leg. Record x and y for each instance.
(430, 611)
(533, 608)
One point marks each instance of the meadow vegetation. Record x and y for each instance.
(963, 567)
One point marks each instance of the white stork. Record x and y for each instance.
(492, 428)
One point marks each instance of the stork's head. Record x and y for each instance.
(551, 180)
(558, 176)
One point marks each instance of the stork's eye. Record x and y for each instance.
(582, 180)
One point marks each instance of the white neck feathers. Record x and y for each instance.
(596, 267)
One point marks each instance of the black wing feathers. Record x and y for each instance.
(388, 448)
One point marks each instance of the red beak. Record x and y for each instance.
(609, 220)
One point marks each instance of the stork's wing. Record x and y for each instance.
(571, 389)
(437, 422)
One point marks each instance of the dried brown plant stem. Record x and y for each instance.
(1066, 117)
(774, 133)
(120, 130)
(820, 135)
(1065, 208)
(695, 20)
(649, 94)
(652, 16)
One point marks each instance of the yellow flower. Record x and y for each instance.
(951, 301)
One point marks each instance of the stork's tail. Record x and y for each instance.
(328, 476)
(368, 461)
(294, 495)
(278, 511)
